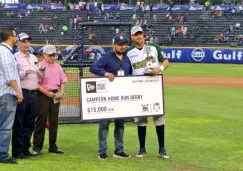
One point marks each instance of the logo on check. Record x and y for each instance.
(91, 87)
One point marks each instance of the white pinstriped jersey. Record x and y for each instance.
(139, 58)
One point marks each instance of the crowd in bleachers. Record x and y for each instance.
(160, 27)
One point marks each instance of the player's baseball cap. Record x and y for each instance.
(49, 49)
(136, 29)
(23, 36)
(119, 40)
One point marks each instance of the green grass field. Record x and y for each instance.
(203, 132)
(219, 70)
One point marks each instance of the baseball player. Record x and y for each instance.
(145, 59)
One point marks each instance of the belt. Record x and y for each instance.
(54, 91)
(29, 91)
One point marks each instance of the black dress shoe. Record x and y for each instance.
(57, 151)
(36, 153)
(9, 161)
(21, 156)
(29, 154)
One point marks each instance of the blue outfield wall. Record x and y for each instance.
(204, 55)
(174, 54)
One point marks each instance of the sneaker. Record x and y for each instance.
(163, 153)
(103, 156)
(121, 155)
(141, 153)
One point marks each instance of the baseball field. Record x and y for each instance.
(203, 108)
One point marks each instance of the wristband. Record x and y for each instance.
(162, 67)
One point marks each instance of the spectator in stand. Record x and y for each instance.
(147, 15)
(138, 5)
(237, 26)
(233, 11)
(117, 30)
(88, 6)
(134, 18)
(171, 5)
(75, 23)
(79, 19)
(59, 53)
(179, 32)
(142, 5)
(220, 37)
(70, 25)
(167, 15)
(20, 15)
(102, 7)
(150, 25)
(140, 22)
(184, 32)
(95, 5)
(41, 28)
(226, 29)
(181, 19)
(84, 6)
(173, 32)
(145, 24)
(99, 4)
(12, 14)
(91, 38)
(8, 15)
(52, 29)
(151, 6)
(48, 10)
(156, 40)
(207, 4)
(170, 19)
(26, 14)
(88, 15)
(107, 16)
(155, 18)
(90, 29)
(117, 16)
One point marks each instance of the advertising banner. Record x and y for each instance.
(204, 55)
(102, 99)
(186, 55)
(31, 6)
(107, 7)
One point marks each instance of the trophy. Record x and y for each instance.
(149, 63)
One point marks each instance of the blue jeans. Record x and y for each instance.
(7, 113)
(118, 135)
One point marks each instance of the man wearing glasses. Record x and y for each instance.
(51, 88)
(24, 122)
(10, 92)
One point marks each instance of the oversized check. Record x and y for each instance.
(125, 97)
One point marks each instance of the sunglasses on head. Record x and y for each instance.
(51, 55)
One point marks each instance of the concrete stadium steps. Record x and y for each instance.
(201, 37)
